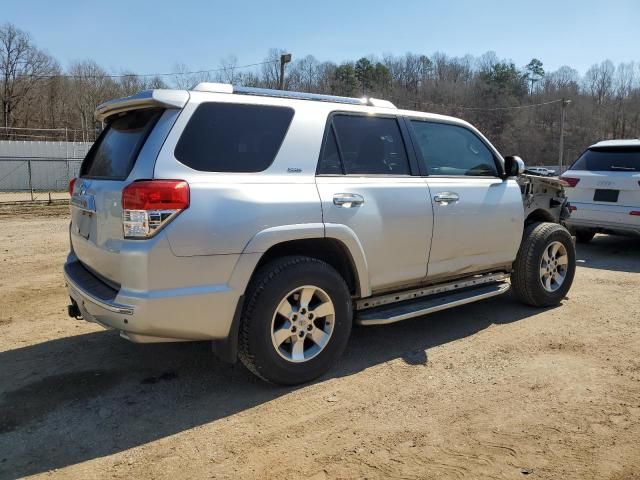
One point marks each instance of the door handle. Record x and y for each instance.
(445, 198)
(348, 200)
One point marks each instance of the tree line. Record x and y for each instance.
(516, 107)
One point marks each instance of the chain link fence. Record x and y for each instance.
(38, 170)
(36, 179)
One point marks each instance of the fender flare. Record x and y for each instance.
(269, 237)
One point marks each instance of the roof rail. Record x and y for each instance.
(267, 92)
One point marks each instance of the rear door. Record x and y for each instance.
(478, 216)
(365, 182)
(115, 159)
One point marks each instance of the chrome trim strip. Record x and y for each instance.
(386, 299)
(112, 307)
(417, 313)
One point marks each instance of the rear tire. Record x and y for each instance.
(296, 321)
(584, 236)
(545, 266)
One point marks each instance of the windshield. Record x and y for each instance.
(614, 159)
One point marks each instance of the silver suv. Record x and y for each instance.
(268, 222)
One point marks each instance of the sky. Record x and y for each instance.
(154, 36)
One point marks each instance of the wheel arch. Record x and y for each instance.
(539, 215)
(335, 244)
(329, 250)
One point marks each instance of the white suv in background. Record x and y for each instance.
(604, 190)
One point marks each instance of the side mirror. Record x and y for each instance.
(513, 166)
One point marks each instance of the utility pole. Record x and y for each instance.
(284, 59)
(562, 119)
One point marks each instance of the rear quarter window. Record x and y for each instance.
(229, 137)
(114, 154)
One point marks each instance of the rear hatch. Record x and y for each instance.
(606, 176)
(125, 151)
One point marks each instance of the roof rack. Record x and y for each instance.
(267, 92)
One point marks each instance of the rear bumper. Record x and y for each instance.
(191, 313)
(605, 218)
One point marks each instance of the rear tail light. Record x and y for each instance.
(572, 208)
(148, 205)
(571, 182)
(72, 184)
(635, 213)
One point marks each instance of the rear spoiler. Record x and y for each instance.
(145, 99)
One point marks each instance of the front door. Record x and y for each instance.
(478, 216)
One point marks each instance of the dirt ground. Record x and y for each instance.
(491, 390)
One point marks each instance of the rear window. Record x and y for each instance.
(609, 159)
(113, 155)
(222, 137)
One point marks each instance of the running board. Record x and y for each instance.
(416, 308)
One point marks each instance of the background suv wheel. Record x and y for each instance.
(584, 236)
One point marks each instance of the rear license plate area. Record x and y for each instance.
(82, 223)
(605, 195)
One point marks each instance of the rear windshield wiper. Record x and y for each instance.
(626, 169)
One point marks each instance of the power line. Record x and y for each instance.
(124, 75)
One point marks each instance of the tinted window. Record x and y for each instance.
(329, 163)
(223, 137)
(115, 152)
(452, 150)
(609, 159)
(368, 145)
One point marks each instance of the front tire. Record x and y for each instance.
(296, 322)
(545, 266)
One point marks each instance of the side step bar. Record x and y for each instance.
(415, 308)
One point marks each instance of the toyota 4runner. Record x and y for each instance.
(268, 222)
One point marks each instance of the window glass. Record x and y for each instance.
(371, 145)
(222, 137)
(605, 159)
(453, 150)
(113, 155)
(329, 160)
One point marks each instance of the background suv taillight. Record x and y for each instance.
(72, 184)
(148, 205)
(571, 182)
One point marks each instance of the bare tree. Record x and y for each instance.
(22, 67)
(271, 69)
(90, 86)
(185, 79)
(599, 79)
(229, 70)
